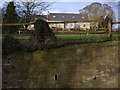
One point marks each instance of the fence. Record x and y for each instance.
(91, 30)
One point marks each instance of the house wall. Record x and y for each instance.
(30, 27)
(84, 26)
(79, 25)
(57, 25)
(70, 25)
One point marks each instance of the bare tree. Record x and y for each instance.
(0, 21)
(118, 11)
(5, 4)
(97, 11)
(28, 9)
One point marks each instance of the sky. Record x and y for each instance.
(73, 6)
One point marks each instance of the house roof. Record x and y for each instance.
(67, 17)
(64, 17)
(44, 17)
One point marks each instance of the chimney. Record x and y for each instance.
(48, 16)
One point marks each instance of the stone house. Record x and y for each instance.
(65, 21)
(68, 21)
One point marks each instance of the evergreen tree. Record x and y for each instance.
(10, 17)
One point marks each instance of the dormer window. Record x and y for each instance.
(63, 16)
(83, 17)
(54, 16)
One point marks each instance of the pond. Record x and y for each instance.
(72, 66)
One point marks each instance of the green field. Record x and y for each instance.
(68, 36)
(73, 36)
(22, 37)
(81, 36)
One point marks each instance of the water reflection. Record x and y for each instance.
(76, 66)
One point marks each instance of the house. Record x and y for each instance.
(65, 21)
(68, 21)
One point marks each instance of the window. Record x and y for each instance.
(54, 16)
(63, 16)
(73, 17)
(71, 24)
(83, 25)
(83, 17)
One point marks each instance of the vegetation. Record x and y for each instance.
(99, 12)
(0, 15)
(22, 37)
(43, 33)
(74, 36)
(10, 17)
(28, 9)
(81, 36)
(10, 45)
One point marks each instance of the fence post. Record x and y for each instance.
(110, 27)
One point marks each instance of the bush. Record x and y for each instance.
(10, 45)
(43, 32)
(10, 17)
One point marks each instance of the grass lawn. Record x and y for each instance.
(72, 36)
(22, 37)
(81, 36)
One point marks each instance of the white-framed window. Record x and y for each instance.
(54, 16)
(73, 16)
(63, 16)
(83, 17)
(71, 24)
